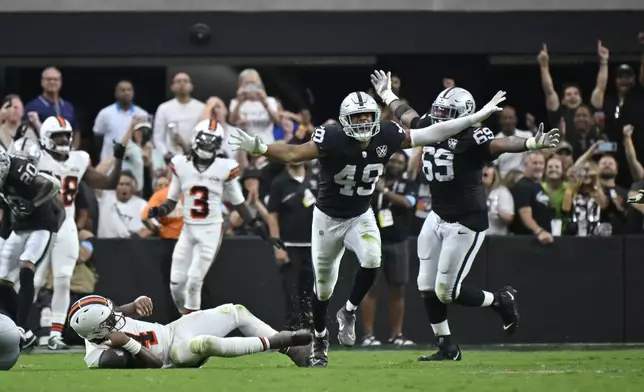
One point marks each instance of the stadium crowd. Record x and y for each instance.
(580, 188)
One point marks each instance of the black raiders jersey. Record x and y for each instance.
(18, 190)
(453, 169)
(348, 174)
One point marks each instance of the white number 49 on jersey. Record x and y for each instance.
(482, 135)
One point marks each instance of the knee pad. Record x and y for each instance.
(371, 257)
(444, 293)
(194, 286)
(62, 283)
(425, 282)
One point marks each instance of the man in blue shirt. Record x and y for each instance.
(49, 103)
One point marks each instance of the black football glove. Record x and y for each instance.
(153, 212)
(259, 229)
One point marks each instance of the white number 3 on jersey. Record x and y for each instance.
(482, 135)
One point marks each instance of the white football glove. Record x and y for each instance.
(542, 140)
(381, 82)
(637, 199)
(490, 107)
(240, 140)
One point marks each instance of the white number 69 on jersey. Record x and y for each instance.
(482, 135)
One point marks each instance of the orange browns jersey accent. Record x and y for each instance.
(234, 173)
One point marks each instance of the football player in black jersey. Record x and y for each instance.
(37, 213)
(454, 231)
(352, 157)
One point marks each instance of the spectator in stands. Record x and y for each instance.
(120, 211)
(11, 114)
(175, 119)
(253, 110)
(393, 203)
(624, 107)
(50, 103)
(555, 186)
(585, 130)
(133, 161)
(500, 204)
(510, 161)
(251, 180)
(112, 121)
(532, 205)
(612, 217)
(634, 166)
(584, 199)
(168, 226)
(564, 152)
(561, 112)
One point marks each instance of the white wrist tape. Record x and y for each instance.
(133, 347)
(388, 97)
(262, 148)
(531, 143)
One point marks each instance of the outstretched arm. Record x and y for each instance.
(541, 140)
(434, 133)
(287, 153)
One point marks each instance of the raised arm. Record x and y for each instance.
(597, 98)
(552, 99)
(541, 140)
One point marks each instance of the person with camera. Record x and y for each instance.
(584, 200)
(253, 110)
(393, 204)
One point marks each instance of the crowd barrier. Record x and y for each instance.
(575, 290)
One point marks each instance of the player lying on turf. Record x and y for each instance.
(114, 339)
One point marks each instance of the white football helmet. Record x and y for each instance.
(56, 127)
(356, 103)
(207, 137)
(27, 149)
(93, 318)
(9, 343)
(453, 102)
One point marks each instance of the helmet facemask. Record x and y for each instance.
(60, 142)
(361, 131)
(205, 145)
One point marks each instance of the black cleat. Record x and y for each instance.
(285, 339)
(320, 351)
(346, 327)
(505, 304)
(300, 355)
(27, 339)
(446, 351)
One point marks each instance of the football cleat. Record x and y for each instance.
(56, 343)
(446, 351)
(27, 339)
(346, 327)
(505, 304)
(300, 355)
(320, 351)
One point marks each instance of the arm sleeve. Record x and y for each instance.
(440, 131)
(521, 196)
(233, 192)
(506, 201)
(81, 202)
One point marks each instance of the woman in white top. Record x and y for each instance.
(252, 110)
(500, 204)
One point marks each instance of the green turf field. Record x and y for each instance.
(355, 371)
